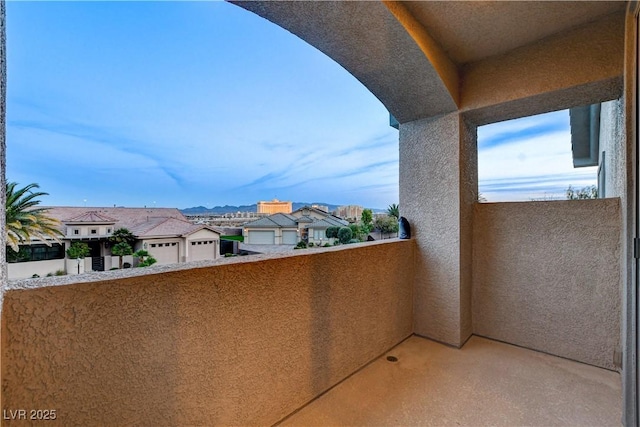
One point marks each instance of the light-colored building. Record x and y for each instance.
(306, 224)
(349, 212)
(164, 232)
(274, 206)
(323, 208)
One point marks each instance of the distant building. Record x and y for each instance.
(350, 212)
(274, 206)
(307, 224)
(323, 208)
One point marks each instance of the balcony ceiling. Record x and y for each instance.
(475, 30)
(411, 55)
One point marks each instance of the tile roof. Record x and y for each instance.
(328, 222)
(140, 221)
(91, 216)
(167, 227)
(279, 220)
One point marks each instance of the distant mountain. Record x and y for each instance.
(220, 210)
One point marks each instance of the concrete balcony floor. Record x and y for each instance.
(484, 383)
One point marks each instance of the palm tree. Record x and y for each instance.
(121, 249)
(24, 221)
(394, 211)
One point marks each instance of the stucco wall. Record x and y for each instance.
(239, 343)
(23, 270)
(438, 186)
(612, 143)
(547, 276)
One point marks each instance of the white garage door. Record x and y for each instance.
(262, 237)
(204, 250)
(165, 253)
(289, 238)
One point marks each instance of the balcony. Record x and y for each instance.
(251, 340)
(483, 383)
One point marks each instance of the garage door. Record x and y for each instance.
(262, 237)
(289, 238)
(201, 251)
(165, 253)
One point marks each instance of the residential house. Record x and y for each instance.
(306, 224)
(164, 232)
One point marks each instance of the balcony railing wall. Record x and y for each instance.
(547, 276)
(243, 342)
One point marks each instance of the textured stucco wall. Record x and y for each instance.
(547, 276)
(629, 291)
(438, 186)
(240, 343)
(579, 67)
(23, 270)
(612, 143)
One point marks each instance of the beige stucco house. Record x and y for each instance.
(306, 224)
(164, 232)
(491, 314)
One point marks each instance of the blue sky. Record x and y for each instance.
(202, 103)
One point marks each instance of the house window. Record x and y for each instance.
(173, 244)
(193, 243)
(35, 253)
(153, 245)
(94, 231)
(108, 230)
(76, 231)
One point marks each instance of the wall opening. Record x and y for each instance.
(537, 158)
(186, 105)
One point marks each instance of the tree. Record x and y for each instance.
(145, 258)
(386, 224)
(332, 232)
(78, 250)
(344, 235)
(367, 221)
(394, 211)
(121, 249)
(24, 221)
(356, 231)
(590, 192)
(123, 235)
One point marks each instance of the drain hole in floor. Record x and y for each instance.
(392, 358)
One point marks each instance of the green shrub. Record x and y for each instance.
(301, 245)
(78, 250)
(326, 245)
(332, 232)
(60, 273)
(147, 262)
(344, 235)
(311, 244)
(35, 276)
